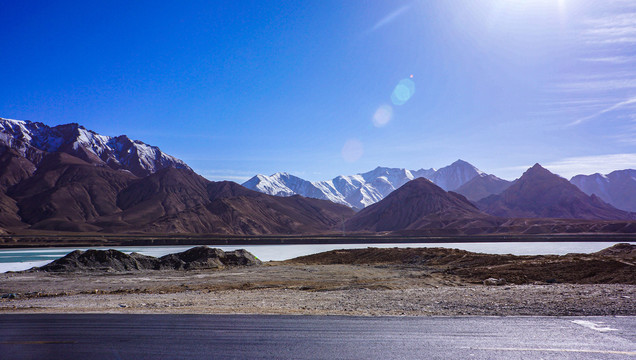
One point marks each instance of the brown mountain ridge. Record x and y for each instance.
(416, 205)
(548, 204)
(66, 193)
(538, 193)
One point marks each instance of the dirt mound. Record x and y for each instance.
(608, 266)
(201, 257)
(103, 260)
(622, 250)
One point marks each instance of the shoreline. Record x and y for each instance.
(25, 241)
(366, 282)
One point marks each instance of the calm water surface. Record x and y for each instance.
(22, 259)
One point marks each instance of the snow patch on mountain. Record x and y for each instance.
(455, 175)
(617, 188)
(361, 190)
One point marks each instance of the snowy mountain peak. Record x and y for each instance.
(396, 177)
(361, 190)
(617, 188)
(34, 139)
(284, 175)
(460, 162)
(455, 175)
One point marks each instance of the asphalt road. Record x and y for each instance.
(111, 336)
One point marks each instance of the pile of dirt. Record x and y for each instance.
(614, 265)
(403, 256)
(622, 250)
(201, 257)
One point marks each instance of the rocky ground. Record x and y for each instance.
(355, 282)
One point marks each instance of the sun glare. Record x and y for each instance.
(534, 5)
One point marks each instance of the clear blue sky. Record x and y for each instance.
(236, 88)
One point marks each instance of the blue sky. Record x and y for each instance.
(324, 88)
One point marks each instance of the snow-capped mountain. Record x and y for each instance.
(361, 190)
(617, 188)
(33, 140)
(347, 190)
(455, 175)
(284, 184)
(425, 173)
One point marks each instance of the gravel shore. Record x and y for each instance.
(409, 282)
(545, 300)
(305, 289)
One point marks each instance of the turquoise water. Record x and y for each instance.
(22, 259)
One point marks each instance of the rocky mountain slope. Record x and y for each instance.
(33, 140)
(76, 196)
(67, 178)
(617, 188)
(542, 194)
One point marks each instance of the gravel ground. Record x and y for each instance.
(551, 300)
(298, 289)
(409, 282)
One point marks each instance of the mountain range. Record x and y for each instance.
(361, 190)
(538, 202)
(538, 193)
(67, 178)
(33, 140)
(419, 204)
(617, 188)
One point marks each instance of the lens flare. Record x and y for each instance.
(382, 115)
(352, 150)
(403, 91)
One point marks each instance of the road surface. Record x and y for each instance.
(123, 336)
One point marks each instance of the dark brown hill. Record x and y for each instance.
(166, 192)
(227, 189)
(268, 215)
(14, 168)
(416, 205)
(542, 194)
(69, 194)
(9, 217)
(231, 209)
(483, 186)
